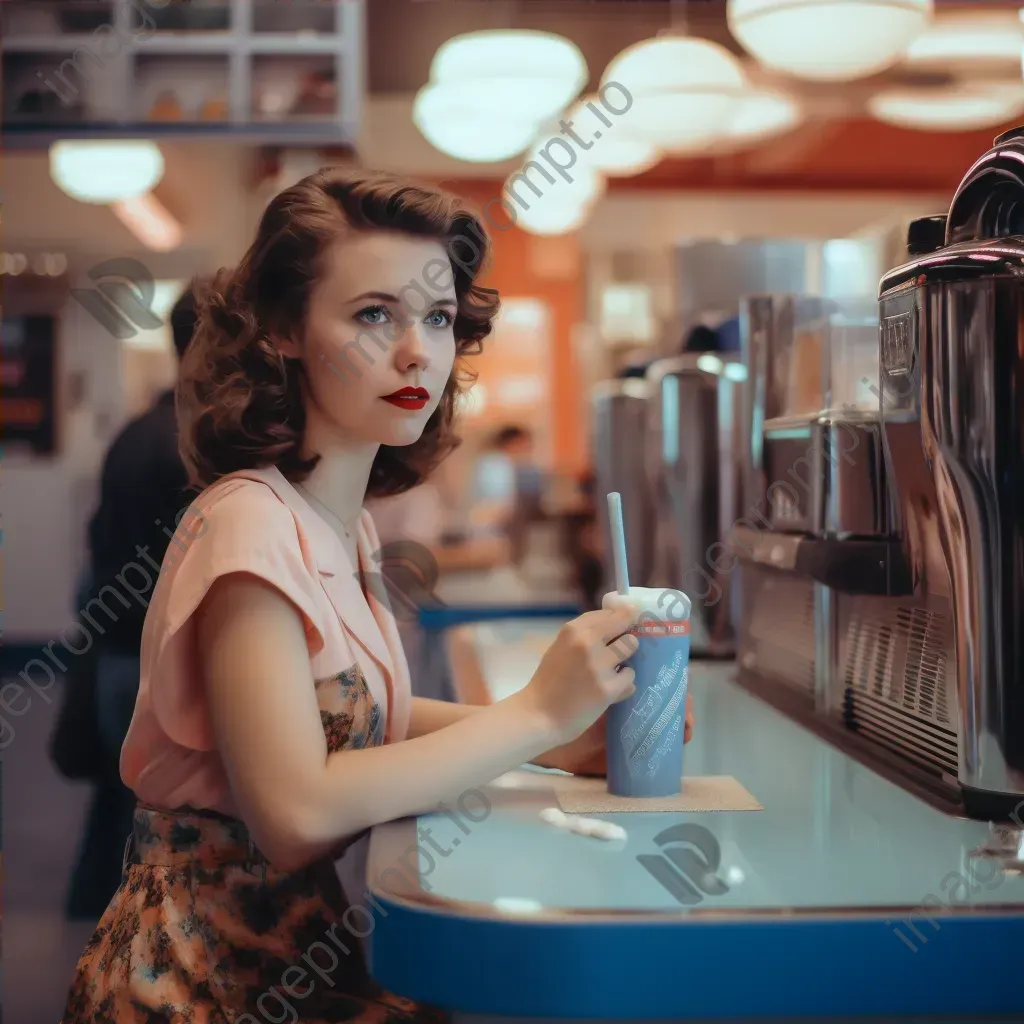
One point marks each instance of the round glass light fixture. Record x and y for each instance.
(977, 37)
(607, 150)
(452, 121)
(490, 91)
(955, 109)
(681, 91)
(106, 171)
(531, 74)
(553, 218)
(762, 115)
(552, 208)
(577, 183)
(828, 40)
(526, 56)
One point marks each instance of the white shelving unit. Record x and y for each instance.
(249, 76)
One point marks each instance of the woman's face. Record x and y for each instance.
(379, 344)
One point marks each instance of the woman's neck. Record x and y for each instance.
(341, 476)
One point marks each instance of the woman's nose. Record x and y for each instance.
(410, 348)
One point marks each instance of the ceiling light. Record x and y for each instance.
(764, 114)
(149, 220)
(541, 178)
(551, 69)
(828, 40)
(105, 172)
(452, 121)
(490, 91)
(553, 213)
(612, 150)
(978, 37)
(683, 91)
(955, 109)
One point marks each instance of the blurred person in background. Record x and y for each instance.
(143, 491)
(510, 487)
(418, 549)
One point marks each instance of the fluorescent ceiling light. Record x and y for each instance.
(149, 220)
(106, 171)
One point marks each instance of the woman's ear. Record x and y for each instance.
(288, 347)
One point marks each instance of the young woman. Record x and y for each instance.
(274, 723)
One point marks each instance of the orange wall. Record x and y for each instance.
(550, 270)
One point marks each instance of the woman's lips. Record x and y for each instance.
(408, 398)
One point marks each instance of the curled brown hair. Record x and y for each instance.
(240, 402)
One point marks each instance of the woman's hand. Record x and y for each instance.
(585, 755)
(582, 672)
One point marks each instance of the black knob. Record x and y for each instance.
(925, 235)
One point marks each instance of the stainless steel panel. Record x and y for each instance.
(694, 479)
(776, 639)
(850, 469)
(620, 412)
(952, 347)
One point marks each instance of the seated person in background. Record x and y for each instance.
(510, 487)
(414, 552)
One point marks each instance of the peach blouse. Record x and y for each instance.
(253, 521)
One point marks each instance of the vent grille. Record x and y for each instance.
(779, 641)
(896, 679)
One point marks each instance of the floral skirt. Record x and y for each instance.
(204, 931)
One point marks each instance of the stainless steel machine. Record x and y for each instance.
(694, 476)
(887, 611)
(619, 411)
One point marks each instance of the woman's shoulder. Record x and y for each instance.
(239, 513)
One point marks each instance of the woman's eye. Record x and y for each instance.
(372, 315)
(440, 318)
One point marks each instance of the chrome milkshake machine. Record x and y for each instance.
(885, 607)
(668, 442)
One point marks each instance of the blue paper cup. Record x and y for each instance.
(645, 731)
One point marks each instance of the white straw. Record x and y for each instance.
(618, 543)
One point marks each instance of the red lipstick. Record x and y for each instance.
(408, 398)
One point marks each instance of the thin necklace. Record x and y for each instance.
(334, 515)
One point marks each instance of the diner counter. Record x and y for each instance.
(844, 897)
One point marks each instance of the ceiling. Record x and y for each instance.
(839, 147)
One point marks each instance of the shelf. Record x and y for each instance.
(185, 43)
(60, 43)
(297, 45)
(226, 54)
(290, 133)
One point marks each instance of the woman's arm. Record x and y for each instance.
(429, 715)
(298, 800)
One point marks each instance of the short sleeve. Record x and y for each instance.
(248, 529)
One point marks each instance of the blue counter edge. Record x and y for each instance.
(710, 969)
(446, 617)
